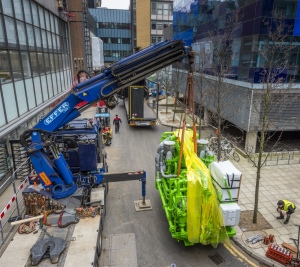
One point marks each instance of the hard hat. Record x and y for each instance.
(280, 202)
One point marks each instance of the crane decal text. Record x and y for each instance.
(61, 109)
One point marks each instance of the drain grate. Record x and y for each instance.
(216, 258)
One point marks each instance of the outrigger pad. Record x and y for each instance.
(48, 247)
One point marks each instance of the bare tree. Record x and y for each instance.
(178, 76)
(202, 58)
(164, 77)
(221, 46)
(273, 99)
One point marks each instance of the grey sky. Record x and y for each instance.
(116, 4)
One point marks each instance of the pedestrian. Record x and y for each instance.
(117, 122)
(285, 207)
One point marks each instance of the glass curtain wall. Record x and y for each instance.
(194, 22)
(34, 57)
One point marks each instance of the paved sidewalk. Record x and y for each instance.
(277, 182)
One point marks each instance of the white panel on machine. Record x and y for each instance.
(231, 213)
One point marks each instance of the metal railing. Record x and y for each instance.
(280, 157)
(14, 208)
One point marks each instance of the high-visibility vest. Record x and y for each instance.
(287, 204)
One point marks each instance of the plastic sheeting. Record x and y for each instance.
(204, 218)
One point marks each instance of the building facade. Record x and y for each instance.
(149, 18)
(115, 30)
(35, 66)
(194, 20)
(82, 30)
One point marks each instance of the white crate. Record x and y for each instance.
(226, 194)
(226, 179)
(231, 213)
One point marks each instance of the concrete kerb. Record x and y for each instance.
(265, 261)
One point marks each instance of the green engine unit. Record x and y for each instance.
(185, 211)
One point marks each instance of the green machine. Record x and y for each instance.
(188, 195)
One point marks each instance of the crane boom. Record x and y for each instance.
(55, 173)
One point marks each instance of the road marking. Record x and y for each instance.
(235, 253)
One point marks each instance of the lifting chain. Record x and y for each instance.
(26, 228)
(82, 213)
(35, 203)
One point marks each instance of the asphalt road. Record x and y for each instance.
(134, 149)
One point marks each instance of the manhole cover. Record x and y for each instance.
(216, 258)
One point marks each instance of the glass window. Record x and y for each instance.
(52, 63)
(44, 39)
(18, 9)
(35, 13)
(52, 22)
(153, 26)
(47, 63)
(56, 25)
(159, 39)
(44, 87)
(287, 8)
(59, 87)
(11, 32)
(38, 90)
(54, 42)
(30, 36)
(153, 40)
(22, 34)
(60, 63)
(10, 101)
(2, 37)
(27, 11)
(25, 64)
(58, 46)
(2, 117)
(16, 65)
(30, 93)
(42, 18)
(34, 64)
(49, 35)
(49, 83)
(38, 38)
(56, 62)
(41, 63)
(21, 97)
(47, 20)
(5, 73)
(159, 26)
(7, 7)
(54, 83)
(126, 41)
(114, 40)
